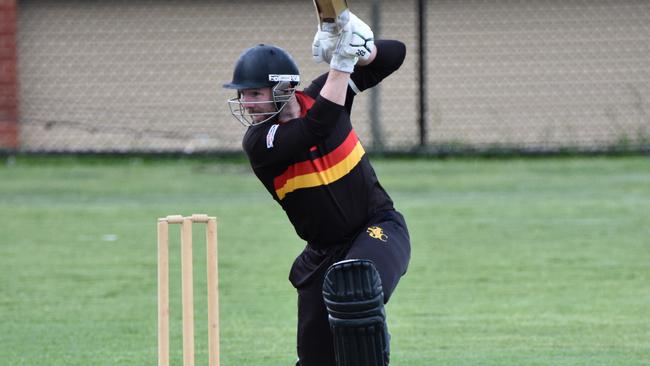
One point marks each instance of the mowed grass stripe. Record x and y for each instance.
(515, 261)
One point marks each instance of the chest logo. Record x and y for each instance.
(270, 136)
(376, 232)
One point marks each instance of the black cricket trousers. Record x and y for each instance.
(385, 241)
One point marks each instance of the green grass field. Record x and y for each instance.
(515, 261)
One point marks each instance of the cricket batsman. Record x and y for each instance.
(303, 148)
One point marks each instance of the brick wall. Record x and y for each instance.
(8, 78)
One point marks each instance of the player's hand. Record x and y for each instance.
(361, 39)
(327, 36)
(323, 46)
(355, 41)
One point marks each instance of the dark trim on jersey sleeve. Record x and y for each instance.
(270, 143)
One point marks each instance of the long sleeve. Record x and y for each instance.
(390, 56)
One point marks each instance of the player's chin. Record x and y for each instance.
(255, 116)
(258, 119)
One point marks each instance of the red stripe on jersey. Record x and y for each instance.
(319, 164)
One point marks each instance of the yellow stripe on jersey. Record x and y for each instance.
(323, 177)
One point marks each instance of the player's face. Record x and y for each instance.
(258, 103)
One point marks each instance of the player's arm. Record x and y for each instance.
(376, 60)
(352, 45)
(387, 58)
(336, 86)
(370, 58)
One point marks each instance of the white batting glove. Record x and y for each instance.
(323, 46)
(355, 41)
(362, 40)
(326, 37)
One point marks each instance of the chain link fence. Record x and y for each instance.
(540, 75)
(146, 76)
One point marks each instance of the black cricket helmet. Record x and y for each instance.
(263, 66)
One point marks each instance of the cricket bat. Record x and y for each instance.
(331, 13)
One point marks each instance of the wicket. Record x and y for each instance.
(187, 288)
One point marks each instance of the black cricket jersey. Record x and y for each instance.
(315, 167)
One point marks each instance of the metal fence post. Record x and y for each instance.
(422, 68)
(374, 105)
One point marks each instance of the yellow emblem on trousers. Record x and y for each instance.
(377, 233)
